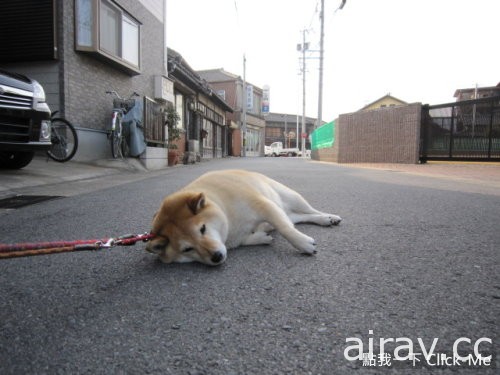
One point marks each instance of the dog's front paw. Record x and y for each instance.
(327, 220)
(307, 245)
(335, 220)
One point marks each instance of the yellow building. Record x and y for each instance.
(385, 101)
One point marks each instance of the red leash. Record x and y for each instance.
(42, 248)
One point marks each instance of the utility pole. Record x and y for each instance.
(297, 131)
(321, 52)
(474, 113)
(287, 140)
(244, 109)
(321, 58)
(304, 48)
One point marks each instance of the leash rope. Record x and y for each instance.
(43, 248)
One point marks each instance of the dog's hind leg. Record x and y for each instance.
(257, 238)
(278, 218)
(319, 218)
(260, 235)
(300, 211)
(264, 227)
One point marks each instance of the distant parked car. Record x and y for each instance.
(276, 149)
(24, 120)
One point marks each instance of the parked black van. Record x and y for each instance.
(24, 120)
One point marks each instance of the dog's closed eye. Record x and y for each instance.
(203, 229)
(158, 248)
(187, 249)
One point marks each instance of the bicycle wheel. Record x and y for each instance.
(124, 147)
(116, 142)
(64, 140)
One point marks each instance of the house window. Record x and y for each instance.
(108, 31)
(222, 94)
(273, 132)
(130, 40)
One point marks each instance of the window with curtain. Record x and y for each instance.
(118, 33)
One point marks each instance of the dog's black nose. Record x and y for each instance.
(217, 257)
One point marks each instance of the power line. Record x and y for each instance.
(236, 10)
(313, 17)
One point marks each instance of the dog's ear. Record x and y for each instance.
(196, 203)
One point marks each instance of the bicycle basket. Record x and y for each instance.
(125, 104)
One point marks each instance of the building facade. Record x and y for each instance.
(286, 128)
(80, 49)
(230, 87)
(477, 93)
(206, 130)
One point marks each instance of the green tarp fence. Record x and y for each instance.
(323, 137)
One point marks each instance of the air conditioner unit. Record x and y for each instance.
(163, 89)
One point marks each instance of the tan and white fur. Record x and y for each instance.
(226, 209)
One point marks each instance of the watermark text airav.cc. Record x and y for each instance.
(403, 351)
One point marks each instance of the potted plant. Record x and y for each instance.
(174, 134)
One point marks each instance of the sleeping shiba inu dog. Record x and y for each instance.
(226, 209)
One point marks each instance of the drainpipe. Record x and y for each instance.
(165, 54)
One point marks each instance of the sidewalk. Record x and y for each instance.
(473, 177)
(463, 170)
(47, 177)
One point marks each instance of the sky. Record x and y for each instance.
(414, 50)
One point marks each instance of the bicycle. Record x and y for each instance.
(64, 139)
(116, 135)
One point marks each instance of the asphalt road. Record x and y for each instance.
(412, 259)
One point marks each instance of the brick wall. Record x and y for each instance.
(385, 135)
(181, 145)
(236, 142)
(324, 154)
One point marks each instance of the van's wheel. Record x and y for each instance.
(15, 159)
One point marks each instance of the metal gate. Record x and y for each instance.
(467, 130)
